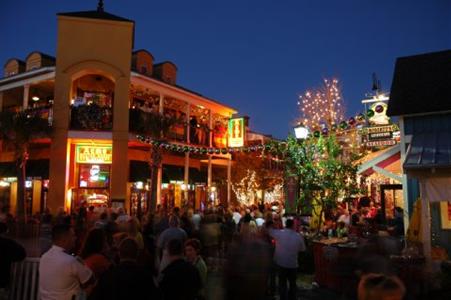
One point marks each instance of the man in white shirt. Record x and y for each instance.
(288, 244)
(61, 275)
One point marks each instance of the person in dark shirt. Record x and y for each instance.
(127, 280)
(10, 251)
(180, 279)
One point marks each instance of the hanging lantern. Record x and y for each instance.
(267, 146)
(370, 113)
(343, 125)
(217, 151)
(360, 117)
(224, 150)
(167, 146)
(174, 147)
(210, 150)
(334, 127)
(325, 131)
(351, 121)
(203, 150)
(316, 134)
(379, 108)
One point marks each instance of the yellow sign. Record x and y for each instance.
(94, 154)
(236, 132)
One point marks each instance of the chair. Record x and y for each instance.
(25, 279)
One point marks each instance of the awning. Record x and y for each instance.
(38, 168)
(139, 171)
(177, 173)
(8, 169)
(34, 168)
(429, 150)
(385, 162)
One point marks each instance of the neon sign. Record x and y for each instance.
(236, 132)
(94, 154)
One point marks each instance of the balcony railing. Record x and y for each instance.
(177, 132)
(91, 117)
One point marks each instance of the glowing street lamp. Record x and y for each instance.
(301, 132)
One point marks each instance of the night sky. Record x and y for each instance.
(256, 56)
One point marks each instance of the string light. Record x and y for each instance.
(322, 106)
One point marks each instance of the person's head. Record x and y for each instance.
(63, 236)
(192, 249)
(289, 223)
(94, 243)
(174, 221)
(175, 248)
(133, 226)
(128, 249)
(399, 211)
(103, 216)
(380, 287)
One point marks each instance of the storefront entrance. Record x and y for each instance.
(391, 197)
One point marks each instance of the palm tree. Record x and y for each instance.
(17, 131)
(156, 126)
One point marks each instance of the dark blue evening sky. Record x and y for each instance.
(256, 56)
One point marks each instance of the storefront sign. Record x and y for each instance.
(236, 132)
(381, 143)
(94, 154)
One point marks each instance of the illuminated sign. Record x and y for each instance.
(381, 143)
(377, 136)
(380, 114)
(236, 132)
(94, 154)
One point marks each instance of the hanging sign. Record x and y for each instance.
(236, 132)
(381, 143)
(94, 154)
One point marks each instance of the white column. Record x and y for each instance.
(425, 222)
(161, 104)
(186, 176)
(160, 169)
(210, 126)
(405, 191)
(188, 128)
(229, 178)
(26, 93)
(159, 181)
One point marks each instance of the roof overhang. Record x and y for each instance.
(175, 92)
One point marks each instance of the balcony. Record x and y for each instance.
(91, 117)
(177, 132)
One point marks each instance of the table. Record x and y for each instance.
(333, 268)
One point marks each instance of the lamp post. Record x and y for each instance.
(301, 133)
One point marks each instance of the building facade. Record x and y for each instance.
(97, 94)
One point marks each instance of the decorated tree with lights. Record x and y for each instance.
(254, 175)
(321, 107)
(323, 175)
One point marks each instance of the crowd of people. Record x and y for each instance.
(103, 253)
